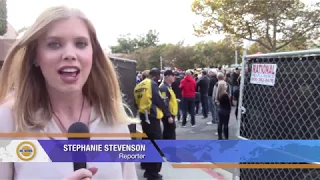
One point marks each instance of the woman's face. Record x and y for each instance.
(64, 54)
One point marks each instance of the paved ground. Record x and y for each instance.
(170, 173)
(201, 131)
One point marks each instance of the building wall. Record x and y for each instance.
(5, 45)
(11, 33)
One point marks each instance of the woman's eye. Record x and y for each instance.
(54, 45)
(81, 44)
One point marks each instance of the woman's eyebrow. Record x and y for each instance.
(84, 38)
(52, 38)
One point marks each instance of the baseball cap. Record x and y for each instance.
(168, 73)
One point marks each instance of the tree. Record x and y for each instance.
(3, 17)
(147, 58)
(255, 47)
(179, 56)
(272, 24)
(22, 30)
(149, 39)
(216, 53)
(294, 46)
(126, 44)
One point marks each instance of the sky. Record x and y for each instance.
(173, 19)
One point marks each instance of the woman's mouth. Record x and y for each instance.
(69, 74)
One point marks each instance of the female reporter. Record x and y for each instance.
(56, 75)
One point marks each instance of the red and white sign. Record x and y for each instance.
(264, 74)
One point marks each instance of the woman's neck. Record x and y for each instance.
(66, 104)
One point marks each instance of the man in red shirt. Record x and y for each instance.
(188, 88)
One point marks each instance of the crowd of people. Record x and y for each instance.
(172, 97)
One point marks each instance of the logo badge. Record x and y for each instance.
(26, 151)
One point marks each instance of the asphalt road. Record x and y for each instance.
(204, 131)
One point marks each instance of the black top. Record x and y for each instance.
(213, 81)
(236, 94)
(225, 102)
(175, 87)
(234, 78)
(203, 84)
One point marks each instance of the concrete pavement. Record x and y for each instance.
(170, 173)
(201, 131)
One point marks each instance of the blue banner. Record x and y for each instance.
(101, 151)
(246, 151)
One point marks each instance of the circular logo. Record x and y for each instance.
(26, 150)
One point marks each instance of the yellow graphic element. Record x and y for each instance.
(26, 151)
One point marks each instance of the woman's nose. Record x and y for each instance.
(69, 52)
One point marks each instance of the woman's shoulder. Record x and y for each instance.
(6, 118)
(116, 128)
(120, 128)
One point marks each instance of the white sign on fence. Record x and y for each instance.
(264, 74)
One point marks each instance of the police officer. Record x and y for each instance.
(169, 125)
(151, 106)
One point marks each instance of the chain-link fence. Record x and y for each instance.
(289, 109)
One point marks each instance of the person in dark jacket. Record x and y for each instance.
(177, 91)
(151, 125)
(197, 101)
(234, 80)
(203, 85)
(224, 109)
(236, 95)
(169, 126)
(197, 97)
(230, 83)
(211, 105)
(188, 88)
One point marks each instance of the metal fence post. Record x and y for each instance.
(243, 72)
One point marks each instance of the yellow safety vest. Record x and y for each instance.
(143, 98)
(173, 103)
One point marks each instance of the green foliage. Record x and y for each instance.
(149, 39)
(22, 30)
(147, 53)
(301, 44)
(3, 17)
(273, 24)
(127, 44)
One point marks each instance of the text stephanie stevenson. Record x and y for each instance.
(126, 151)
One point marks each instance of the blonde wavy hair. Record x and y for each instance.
(25, 84)
(221, 89)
